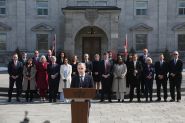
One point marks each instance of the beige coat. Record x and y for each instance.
(32, 81)
(68, 78)
(119, 84)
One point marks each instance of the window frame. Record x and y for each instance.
(102, 1)
(42, 8)
(180, 43)
(5, 7)
(78, 2)
(178, 7)
(135, 39)
(37, 42)
(5, 41)
(140, 8)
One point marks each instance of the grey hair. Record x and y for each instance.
(83, 64)
(42, 57)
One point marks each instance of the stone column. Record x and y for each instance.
(20, 19)
(162, 24)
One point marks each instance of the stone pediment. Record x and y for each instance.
(179, 27)
(4, 27)
(141, 27)
(42, 27)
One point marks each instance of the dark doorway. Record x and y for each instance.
(91, 45)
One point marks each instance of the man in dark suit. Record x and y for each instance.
(48, 56)
(175, 76)
(82, 80)
(135, 75)
(53, 70)
(106, 77)
(15, 70)
(142, 59)
(88, 64)
(161, 70)
(36, 58)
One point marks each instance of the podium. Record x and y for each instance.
(80, 103)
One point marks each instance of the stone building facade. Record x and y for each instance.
(91, 26)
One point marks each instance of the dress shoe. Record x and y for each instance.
(118, 100)
(165, 100)
(110, 100)
(122, 100)
(158, 100)
(9, 100)
(139, 100)
(178, 100)
(151, 100)
(18, 100)
(101, 100)
(172, 100)
(146, 99)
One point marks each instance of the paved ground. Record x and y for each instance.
(160, 112)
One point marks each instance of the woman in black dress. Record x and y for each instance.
(96, 72)
(74, 64)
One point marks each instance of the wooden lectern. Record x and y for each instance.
(80, 103)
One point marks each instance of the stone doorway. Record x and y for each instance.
(91, 40)
(91, 45)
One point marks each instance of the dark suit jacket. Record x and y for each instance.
(87, 83)
(139, 68)
(89, 66)
(148, 71)
(161, 70)
(176, 69)
(53, 70)
(102, 68)
(15, 70)
(142, 60)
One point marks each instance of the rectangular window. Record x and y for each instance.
(141, 7)
(2, 41)
(101, 3)
(181, 42)
(42, 41)
(82, 3)
(141, 41)
(181, 7)
(2, 7)
(42, 7)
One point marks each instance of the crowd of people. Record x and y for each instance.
(51, 74)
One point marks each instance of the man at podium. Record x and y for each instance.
(82, 80)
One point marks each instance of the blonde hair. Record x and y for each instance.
(149, 59)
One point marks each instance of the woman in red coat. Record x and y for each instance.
(42, 77)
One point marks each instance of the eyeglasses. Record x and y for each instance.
(175, 54)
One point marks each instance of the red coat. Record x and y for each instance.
(42, 76)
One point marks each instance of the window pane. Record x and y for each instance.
(45, 11)
(82, 3)
(42, 41)
(180, 11)
(141, 41)
(181, 42)
(42, 11)
(2, 2)
(42, 4)
(101, 3)
(2, 41)
(182, 4)
(2, 10)
(141, 4)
